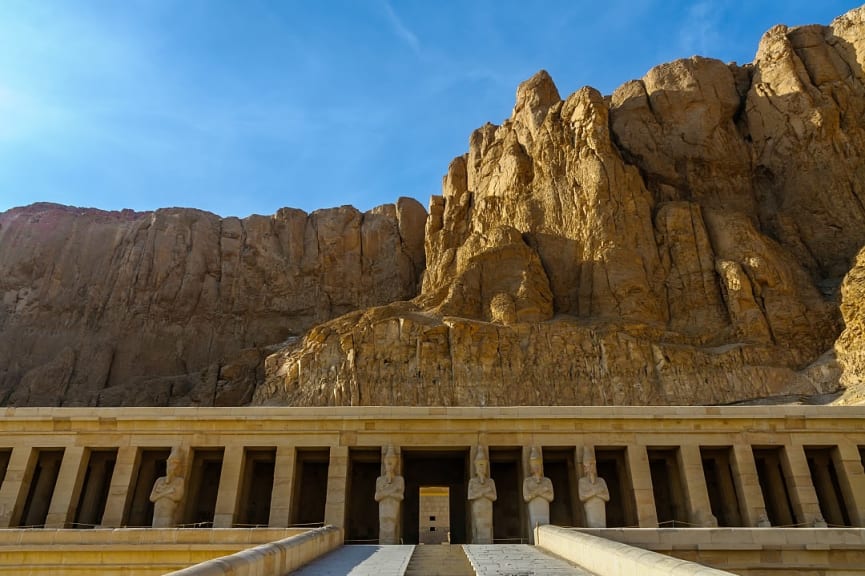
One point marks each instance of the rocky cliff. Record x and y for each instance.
(680, 241)
(684, 240)
(180, 306)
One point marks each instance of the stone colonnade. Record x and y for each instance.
(735, 466)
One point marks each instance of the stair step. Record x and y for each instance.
(439, 560)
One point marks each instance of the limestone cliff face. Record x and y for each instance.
(688, 239)
(179, 306)
(680, 241)
(850, 346)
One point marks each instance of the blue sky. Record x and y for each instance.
(241, 107)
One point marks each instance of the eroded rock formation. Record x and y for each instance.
(681, 241)
(179, 306)
(850, 346)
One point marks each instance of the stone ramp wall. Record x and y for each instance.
(124, 551)
(280, 557)
(608, 558)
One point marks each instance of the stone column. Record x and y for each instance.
(696, 493)
(229, 487)
(68, 487)
(641, 478)
(337, 474)
(805, 503)
(390, 493)
(751, 503)
(481, 494)
(122, 485)
(283, 487)
(13, 492)
(537, 490)
(851, 477)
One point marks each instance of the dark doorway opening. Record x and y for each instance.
(718, 470)
(5, 455)
(824, 476)
(773, 484)
(42, 484)
(612, 466)
(310, 486)
(509, 522)
(362, 522)
(667, 487)
(202, 487)
(257, 487)
(94, 490)
(151, 465)
(441, 468)
(560, 468)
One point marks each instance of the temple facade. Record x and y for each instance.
(434, 474)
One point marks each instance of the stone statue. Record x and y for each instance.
(593, 492)
(538, 492)
(389, 493)
(482, 494)
(168, 491)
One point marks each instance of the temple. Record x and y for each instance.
(737, 488)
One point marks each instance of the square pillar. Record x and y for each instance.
(68, 487)
(851, 477)
(229, 487)
(337, 474)
(283, 487)
(13, 493)
(751, 503)
(121, 487)
(799, 483)
(694, 483)
(641, 479)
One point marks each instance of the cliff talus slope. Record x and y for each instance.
(680, 241)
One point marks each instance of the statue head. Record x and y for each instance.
(482, 464)
(174, 464)
(589, 465)
(391, 460)
(536, 463)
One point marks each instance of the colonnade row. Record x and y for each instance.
(285, 485)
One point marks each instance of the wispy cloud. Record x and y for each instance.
(699, 33)
(399, 28)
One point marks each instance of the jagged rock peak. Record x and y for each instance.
(681, 241)
(535, 96)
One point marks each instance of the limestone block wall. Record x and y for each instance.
(123, 552)
(757, 551)
(682, 466)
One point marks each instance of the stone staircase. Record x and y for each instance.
(439, 560)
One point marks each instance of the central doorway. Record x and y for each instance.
(438, 470)
(435, 515)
